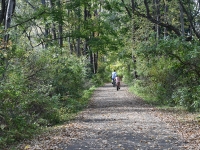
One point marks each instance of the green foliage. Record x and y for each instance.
(170, 71)
(69, 77)
(143, 90)
(44, 89)
(102, 76)
(189, 97)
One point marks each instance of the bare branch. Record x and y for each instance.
(35, 17)
(190, 19)
(128, 11)
(30, 4)
(166, 25)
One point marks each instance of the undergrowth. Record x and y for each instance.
(65, 114)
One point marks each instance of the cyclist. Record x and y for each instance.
(117, 79)
(114, 74)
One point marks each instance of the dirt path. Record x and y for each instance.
(115, 120)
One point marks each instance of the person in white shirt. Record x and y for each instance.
(114, 74)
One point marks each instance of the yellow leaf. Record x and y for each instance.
(27, 147)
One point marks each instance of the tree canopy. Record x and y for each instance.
(53, 50)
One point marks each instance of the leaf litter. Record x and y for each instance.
(120, 120)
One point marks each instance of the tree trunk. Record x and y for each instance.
(60, 35)
(91, 62)
(165, 19)
(158, 18)
(46, 33)
(53, 27)
(95, 62)
(78, 29)
(133, 6)
(60, 28)
(156, 7)
(182, 21)
(2, 11)
(9, 12)
(53, 30)
(69, 37)
(133, 39)
(86, 16)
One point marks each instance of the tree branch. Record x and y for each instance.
(190, 19)
(193, 67)
(35, 17)
(128, 11)
(166, 25)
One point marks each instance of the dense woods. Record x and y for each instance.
(53, 52)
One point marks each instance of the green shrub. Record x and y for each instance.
(169, 72)
(189, 97)
(42, 90)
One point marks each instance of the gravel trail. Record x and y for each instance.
(117, 120)
(114, 120)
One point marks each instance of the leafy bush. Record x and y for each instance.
(188, 97)
(43, 89)
(170, 71)
(102, 76)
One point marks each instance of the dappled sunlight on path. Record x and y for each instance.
(118, 120)
(114, 120)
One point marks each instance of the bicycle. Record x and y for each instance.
(118, 85)
(114, 82)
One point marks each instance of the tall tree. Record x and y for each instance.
(60, 26)
(165, 18)
(7, 10)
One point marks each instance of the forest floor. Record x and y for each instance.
(118, 120)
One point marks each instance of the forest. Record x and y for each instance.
(53, 53)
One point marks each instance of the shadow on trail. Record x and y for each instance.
(110, 85)
(114, 140)
(110, 103)
(116, 120)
